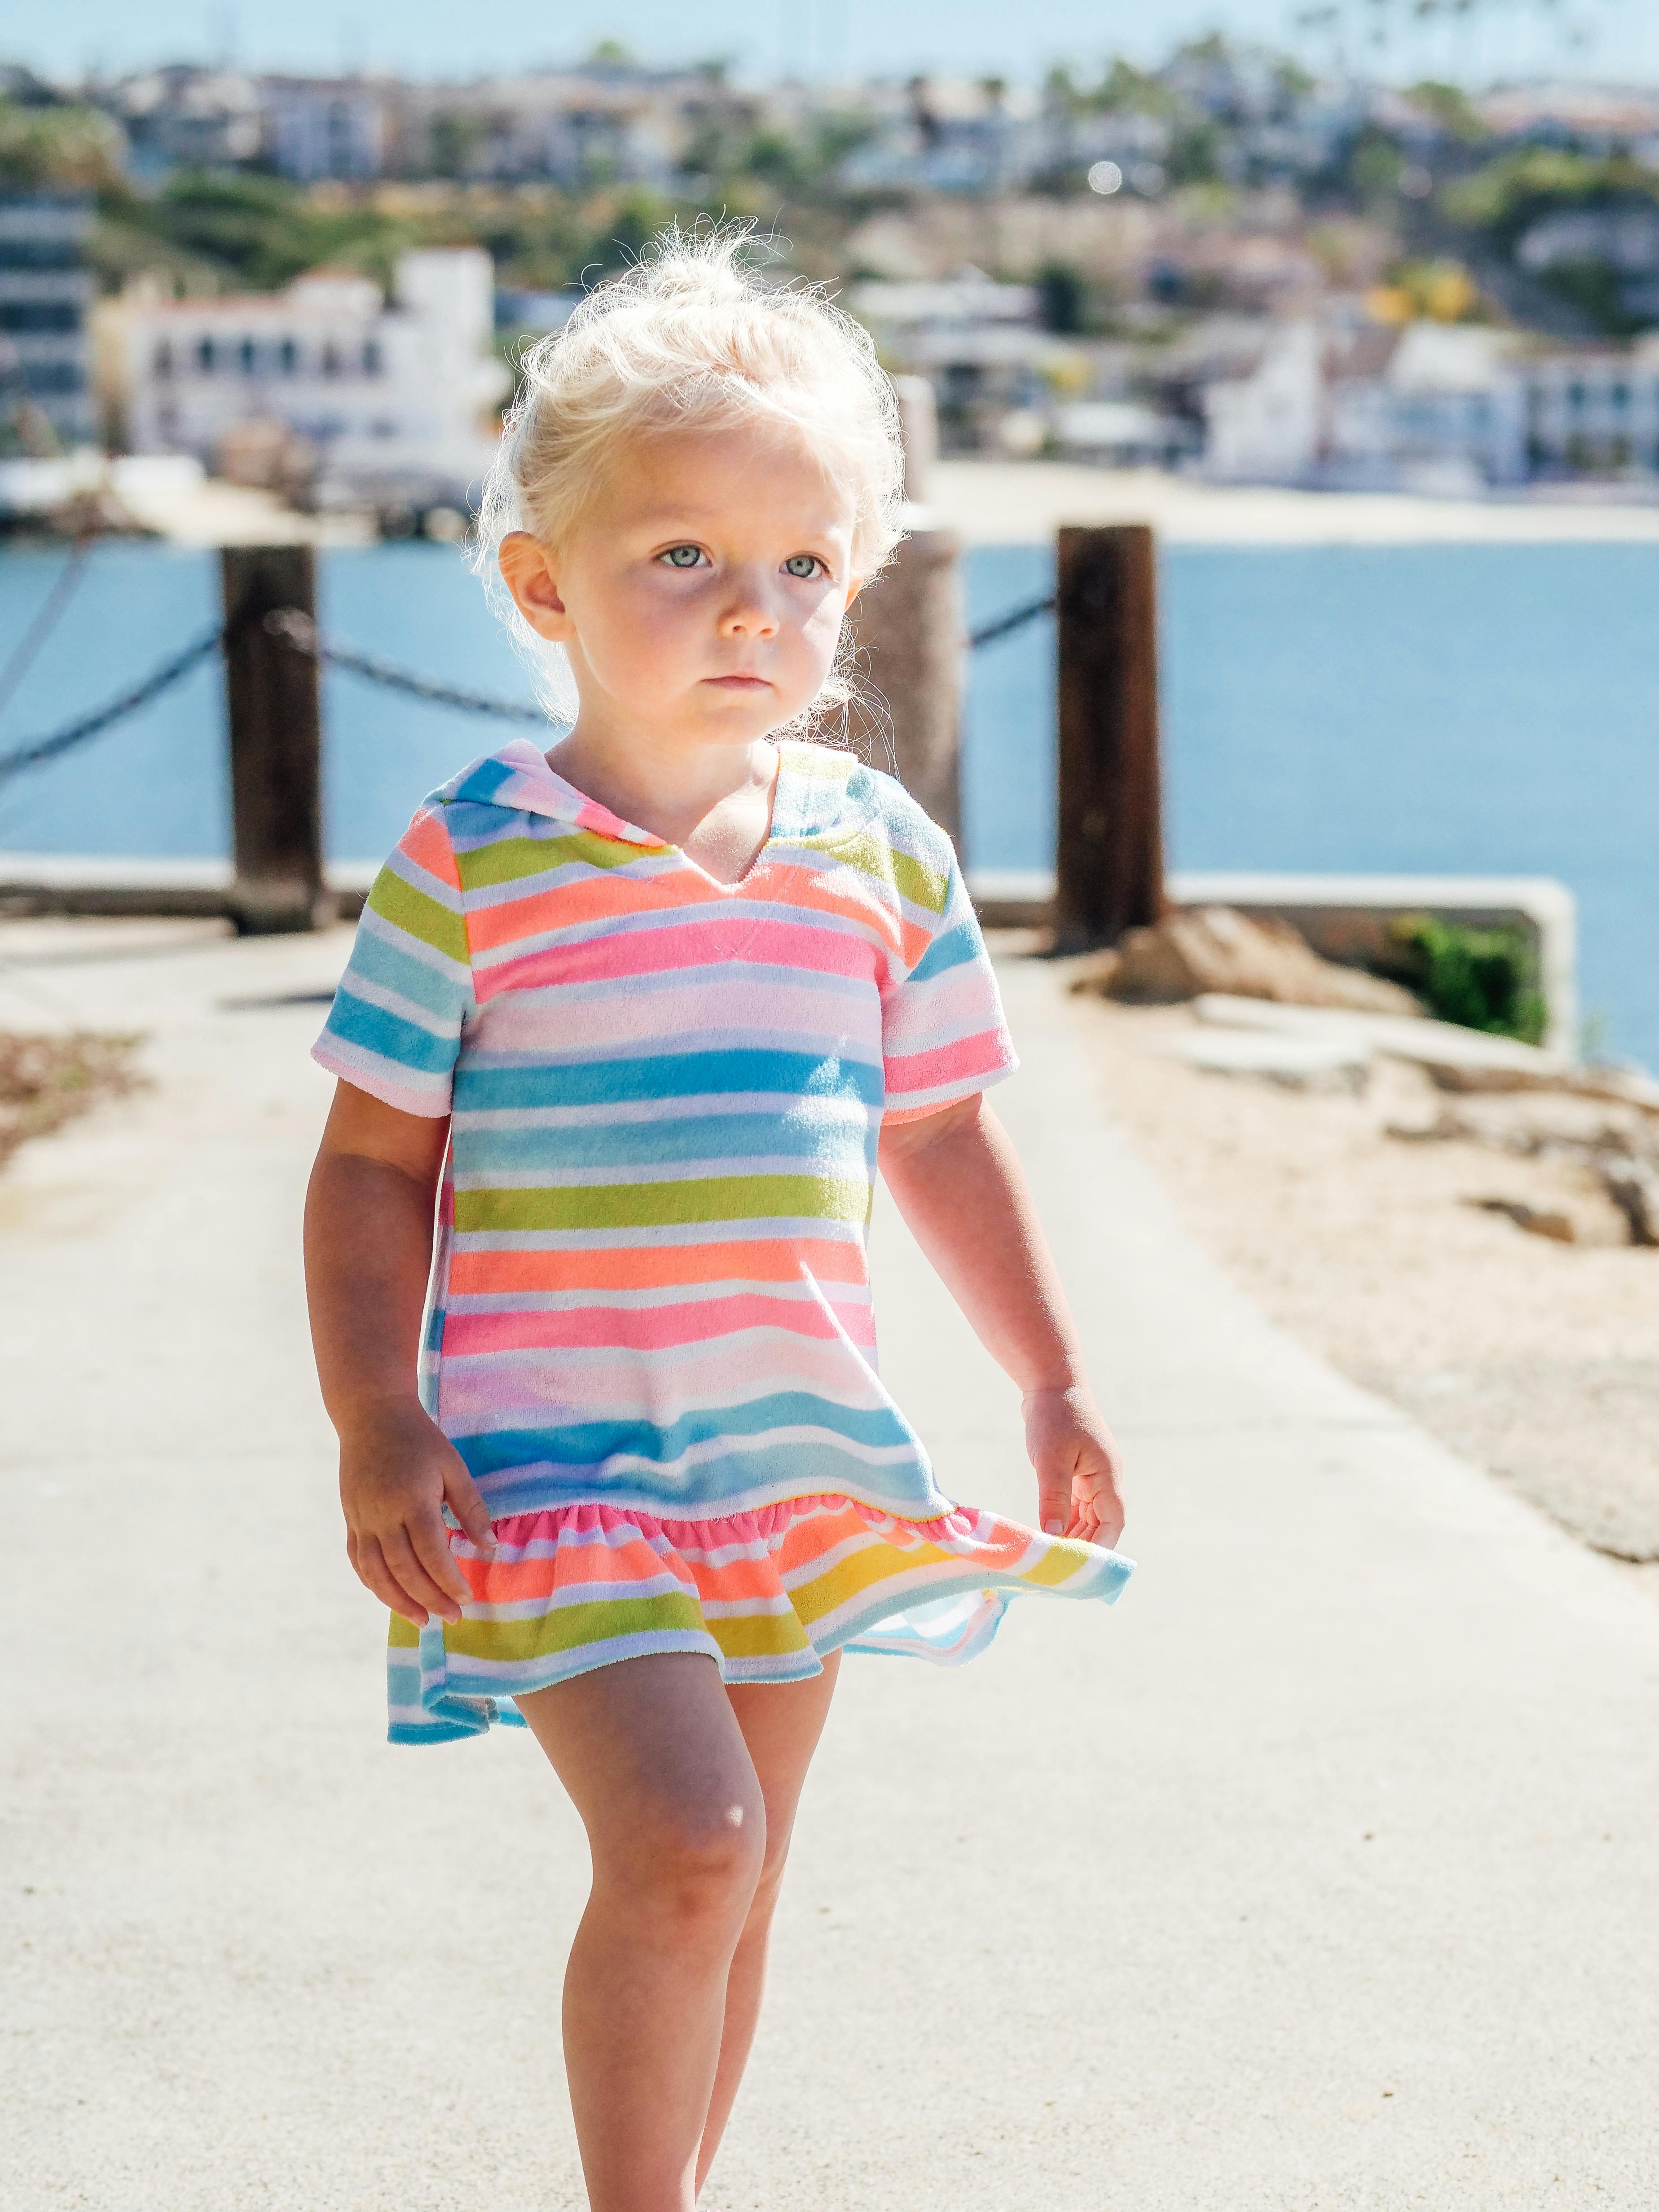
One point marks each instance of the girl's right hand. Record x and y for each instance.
(398, 1472)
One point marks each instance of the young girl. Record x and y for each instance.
(637, 1019)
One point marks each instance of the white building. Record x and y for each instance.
(46, 293)
(182, 116)
(979, 344)
(1436, 407)
(329, 126)
(1594, 412)
(1446, 415)
(1622, 239)
(1268, 426)
(376, 386)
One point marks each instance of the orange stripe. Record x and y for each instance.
(479, 1274)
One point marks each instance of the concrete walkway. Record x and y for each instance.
(1322, 1873)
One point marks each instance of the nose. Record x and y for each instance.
(751, 609)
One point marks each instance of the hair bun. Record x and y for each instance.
(702, 270)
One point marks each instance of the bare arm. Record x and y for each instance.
(958, 1182)
(368, 1250)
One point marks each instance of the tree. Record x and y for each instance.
(58, 148)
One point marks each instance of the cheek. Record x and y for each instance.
(642, 636)
(821, 632)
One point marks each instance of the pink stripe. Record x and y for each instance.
(689, 937)
(650, 1329)
(948, 1063)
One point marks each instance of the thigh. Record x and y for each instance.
(782, 1723)
(645, 1744)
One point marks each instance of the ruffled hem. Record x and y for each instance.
(767, 1595)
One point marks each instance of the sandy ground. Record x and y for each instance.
(1538, 1359)
(1022, 503)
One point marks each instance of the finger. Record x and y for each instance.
(1107, 1514)
(429, 1540)
(379, 1577)
(1053, 1503)
(466, 1502)
(401, 1558)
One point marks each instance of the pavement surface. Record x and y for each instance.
(1321, 1872)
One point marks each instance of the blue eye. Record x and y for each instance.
(683, 556)
(802, 564)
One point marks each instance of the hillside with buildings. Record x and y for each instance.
(1227, 264)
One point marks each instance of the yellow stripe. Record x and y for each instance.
(568, 1627)
(850, 1577)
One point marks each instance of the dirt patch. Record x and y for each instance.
(46, 1081)
(1386, 1234)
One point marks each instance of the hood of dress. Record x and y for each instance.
(818, 792)
(517, 777)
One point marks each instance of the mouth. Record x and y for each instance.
(739, 683)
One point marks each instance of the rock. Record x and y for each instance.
(1453, 1059)
(1536, 1221)
(1445, 1129)
(1212, 948)
(1634, 1187)
(1299, 1063)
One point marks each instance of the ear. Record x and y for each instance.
(526, 567)
(853, 591)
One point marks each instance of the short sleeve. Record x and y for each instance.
(395, 1028)
(943, 1033)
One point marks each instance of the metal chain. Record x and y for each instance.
(299, 632)
(1016, 618)
(41, 749)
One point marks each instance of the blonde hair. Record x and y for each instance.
(691, 336)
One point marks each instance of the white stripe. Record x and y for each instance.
(734, 1167)
(770, 1229)
(704, 1105)
(587, 1300)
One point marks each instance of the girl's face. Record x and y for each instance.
(700, 600)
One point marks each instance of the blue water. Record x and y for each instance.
(1488, 709)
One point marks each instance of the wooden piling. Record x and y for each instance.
(1109, 848)
(275, 741)
(908, 628)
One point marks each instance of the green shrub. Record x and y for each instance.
(1482, 979)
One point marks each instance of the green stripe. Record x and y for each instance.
(413, 912)
(566, 1627)
(915, 880)
(508, 859)
(656, 1204)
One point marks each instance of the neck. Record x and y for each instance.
(665, 785)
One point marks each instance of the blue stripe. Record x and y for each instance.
(373, 1029)
(709, 1492)
(494, 1089)
(844, 1146)
(949, 950)
(583, 1446)
(387, 962)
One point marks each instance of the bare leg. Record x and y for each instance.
(655, 1763)
(781, 1724)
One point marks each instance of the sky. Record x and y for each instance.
(1506, 39)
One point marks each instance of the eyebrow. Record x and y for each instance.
(662, 517)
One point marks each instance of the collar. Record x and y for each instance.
(812, 796)
(519, 778)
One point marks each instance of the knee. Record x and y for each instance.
(695, 1863)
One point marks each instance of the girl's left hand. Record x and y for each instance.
(1078, 1466)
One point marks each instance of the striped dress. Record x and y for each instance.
(650, 1333)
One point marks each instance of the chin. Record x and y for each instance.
(742, 719)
